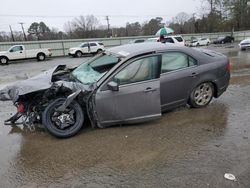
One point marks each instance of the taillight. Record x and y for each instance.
(20, 108)
(49, 49)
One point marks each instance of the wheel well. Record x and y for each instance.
(215, 89)
(40, 53)
(78, 51)
(4, 57)
(214, 85)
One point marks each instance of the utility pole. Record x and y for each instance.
(23, 31)
(12, 33)
(107, 18)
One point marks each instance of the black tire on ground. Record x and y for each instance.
(63, 124)
(202, 95)
(4, 61)
(78, 54)
(40, 57)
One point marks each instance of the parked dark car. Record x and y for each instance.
(223, 40)
(126, 84)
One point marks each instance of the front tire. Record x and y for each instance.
(78, 54)
(4, 61)
(63, 124)
(202, 95)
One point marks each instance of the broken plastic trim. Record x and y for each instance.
(68, 101)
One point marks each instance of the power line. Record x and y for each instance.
(67, 16)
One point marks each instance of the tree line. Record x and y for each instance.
(216, 16)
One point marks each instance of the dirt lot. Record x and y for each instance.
(186, 148)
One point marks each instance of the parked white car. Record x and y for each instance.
(175, 39)
(244, 44)
(86, 48)
(155, 39)
(200, 42)
(18, 52)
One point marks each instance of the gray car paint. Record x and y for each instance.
(175, 87)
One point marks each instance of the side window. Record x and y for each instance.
(176, 60)
(139, 70)
(170, 40)
(93, 44)
(16, 49)
(84, 45)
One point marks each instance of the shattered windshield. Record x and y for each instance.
(89, 73)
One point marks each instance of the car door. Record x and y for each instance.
(93, 47)
(179, 74)
(85, 48)
(138, 97)
(16, 52)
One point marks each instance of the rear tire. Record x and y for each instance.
(202, 95)
(63, 124)
(41, 57)
(4, 61)
(99, 51)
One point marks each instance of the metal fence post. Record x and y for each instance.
(63, 48)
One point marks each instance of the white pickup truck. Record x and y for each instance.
(18, 52)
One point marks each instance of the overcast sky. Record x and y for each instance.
(57, 12)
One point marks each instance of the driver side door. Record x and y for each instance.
(16, 52)
(138, 95)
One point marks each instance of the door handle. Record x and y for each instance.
(194, 74)
(149, 89)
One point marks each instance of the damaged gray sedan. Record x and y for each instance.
(126, 84)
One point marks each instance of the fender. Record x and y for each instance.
(68, 101)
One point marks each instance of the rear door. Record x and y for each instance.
(179, 74)
(138, 98)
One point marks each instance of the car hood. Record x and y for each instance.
(75, 48)
(3, 52)
(40, 82)
(246, 41)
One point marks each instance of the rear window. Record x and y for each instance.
(179, 39)
(100, 43)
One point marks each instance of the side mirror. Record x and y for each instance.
(113, 86)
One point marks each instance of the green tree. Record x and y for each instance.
(151, 27)
(40, 30)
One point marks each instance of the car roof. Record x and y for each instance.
(173, 36)
(141, 48)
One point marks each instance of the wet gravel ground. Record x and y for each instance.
(185, 148)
